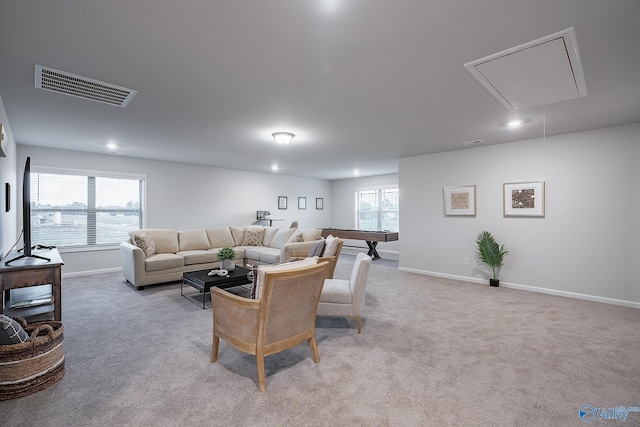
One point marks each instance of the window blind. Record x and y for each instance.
(84, 209)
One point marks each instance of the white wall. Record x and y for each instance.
(8, 172)
(587, 245)
(343, 208)
(185, 196)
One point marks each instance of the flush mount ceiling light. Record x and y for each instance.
(283, 138)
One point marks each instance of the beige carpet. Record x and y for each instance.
(433, 352)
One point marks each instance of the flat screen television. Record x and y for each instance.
(27, 249)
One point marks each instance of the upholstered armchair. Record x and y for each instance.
(283, 316)
(346, 297)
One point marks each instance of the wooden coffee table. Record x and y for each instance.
(201, 281)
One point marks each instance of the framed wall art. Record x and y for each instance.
(302, 203)
(524, 198)
(319, 203)
(460, 200)
(282, 202)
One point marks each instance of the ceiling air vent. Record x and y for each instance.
(82, 87)
(540, 72)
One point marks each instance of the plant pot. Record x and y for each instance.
(227, 264)
(494, 282)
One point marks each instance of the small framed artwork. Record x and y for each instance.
(319, 203)
(460, 200)
(282, 202)
(302, 203)
(523, 198)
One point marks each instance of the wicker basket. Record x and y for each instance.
(33, 365)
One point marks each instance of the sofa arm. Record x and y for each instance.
(132, 263)
(295, 250)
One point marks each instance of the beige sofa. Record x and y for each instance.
(174, 252)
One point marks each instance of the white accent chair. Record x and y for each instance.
(341, 297)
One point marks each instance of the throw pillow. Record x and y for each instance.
(311, 234)
(253, 237)
(317, 248)
(262, 269)
(145, 242)
(11, 332)
(296, 237)
(331, 246)
(281, 238)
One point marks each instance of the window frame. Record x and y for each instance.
(379, 212)
(35, 169)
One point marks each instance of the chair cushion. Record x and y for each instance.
(145, 242)
(331, 246)
(336, 291)
(193, 239)
(262, 269)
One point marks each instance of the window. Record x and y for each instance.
(80, 209)
(377, 209)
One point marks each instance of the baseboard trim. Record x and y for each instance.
(89, 272)
(575, 295)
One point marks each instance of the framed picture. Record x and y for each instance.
(282, 202)
(319, 203)
(460, 200)
(302, 203)
(523, 198)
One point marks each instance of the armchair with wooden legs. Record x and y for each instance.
(283, 316)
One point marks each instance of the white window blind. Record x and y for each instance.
(76, 209)
(377, 209)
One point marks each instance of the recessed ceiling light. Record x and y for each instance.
(514, 123)
(274, 168)
(356, 172)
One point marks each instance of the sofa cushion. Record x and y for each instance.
(190, 240)
(253, 236)
(220, 237)
(269, 233)
(253, 252)
(198, 256)
(310, 234)
(331, 246)
(238, 235)
(145, 242)
(270, 256)
(11, 332)
(163, 261)
(336, 291)
(165, 240)
(281, 237)
(296, 237)
(262, 269)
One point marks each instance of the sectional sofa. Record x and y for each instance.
(153, 256)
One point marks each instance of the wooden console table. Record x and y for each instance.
(27, 272)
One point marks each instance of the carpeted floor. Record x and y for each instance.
(433, 352)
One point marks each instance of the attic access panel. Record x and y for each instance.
(544, 71)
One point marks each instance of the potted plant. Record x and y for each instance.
(225, 258)
(492, 254)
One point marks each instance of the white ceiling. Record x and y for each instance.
(361, 83)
